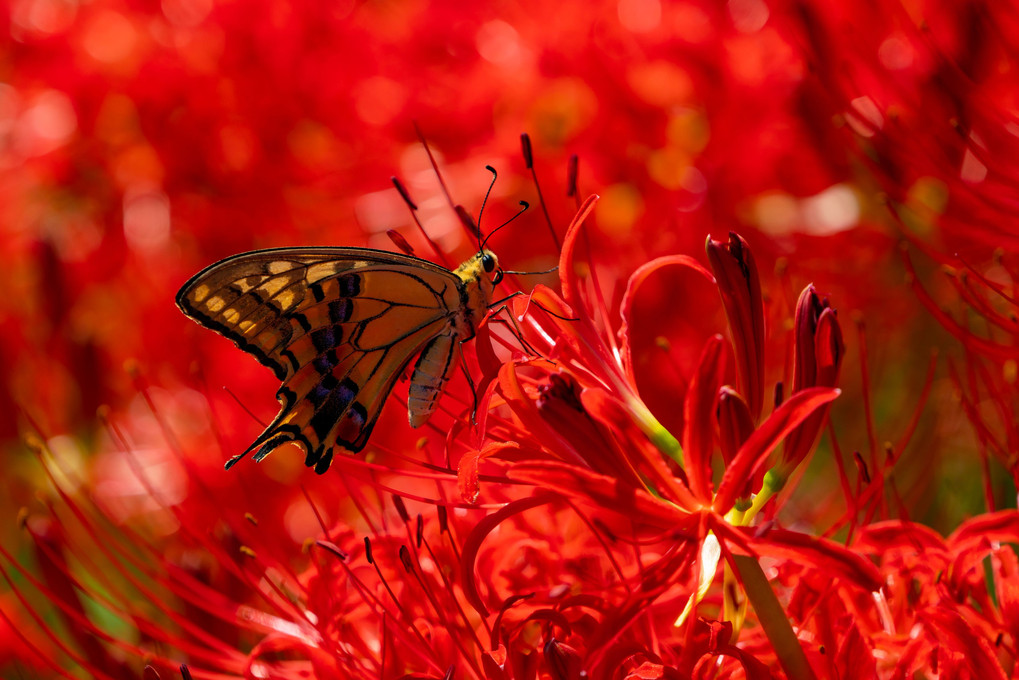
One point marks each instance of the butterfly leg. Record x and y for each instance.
(474, 390)
(493, 314)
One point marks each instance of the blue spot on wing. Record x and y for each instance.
(325, 339)
(349, 284)
(332, 407)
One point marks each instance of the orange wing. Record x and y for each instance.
(336, 325)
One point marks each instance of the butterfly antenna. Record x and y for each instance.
(495, 176)
(525, 146)
(524, 206)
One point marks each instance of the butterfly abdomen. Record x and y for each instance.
(431, 373)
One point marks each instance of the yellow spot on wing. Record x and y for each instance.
(200, 292)
(286, 298)
(246, 284)
(279, 266)
(215, 304)
(321, 270)
(273, 286)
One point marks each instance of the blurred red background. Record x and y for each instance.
(141, 141)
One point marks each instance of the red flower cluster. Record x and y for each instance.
(679, 467)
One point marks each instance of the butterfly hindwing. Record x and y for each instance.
(336, 325)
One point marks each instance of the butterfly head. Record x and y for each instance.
(481, 274)
(490, 263)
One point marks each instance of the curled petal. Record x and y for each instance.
(735, 424)
(740, 288)
(818, 354)
(882, 537)
(1002, 526)
(567, 275)
(756, 449)
(953, 631)
(603, 490)
(829, 348)
(827, 556)
(478, 535)
(283, 656)
(467, 469)
(699, 407)
(563, 661)
(818, 347)
(634, 282)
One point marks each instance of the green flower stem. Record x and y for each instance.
(773, 483)
(667, 444)
(659, 436)
(773, 619)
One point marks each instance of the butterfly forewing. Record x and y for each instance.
(336, 325)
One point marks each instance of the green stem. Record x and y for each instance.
(659, 436)
(773, 619)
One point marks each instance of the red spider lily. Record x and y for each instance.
(580, 410)
(140, 141)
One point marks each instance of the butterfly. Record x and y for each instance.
(338, 326)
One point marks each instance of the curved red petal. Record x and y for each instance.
(478, 534)
(755, 451)
(633, 283)
(699, 417)
(567, 275)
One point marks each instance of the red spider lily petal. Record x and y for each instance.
(735, 424)
(652, 671)
(1002, 526)
(493, 668)
(639, 452)
(699, 411)
(467, 468)
(605, 491)
(1008, 589)
(284, 656)
(893, 535)
(567, 274)
(566, 413)
(546, 298)
(490, 364)
(480, 532)
(712, 640)
(980, 536)
(543, 434)
(818, 351)
(823, 554)
(633, 283)
(563, 661)
(855, 657)
(740, 287)
(559, 423)
(956, 635)
(753, 454)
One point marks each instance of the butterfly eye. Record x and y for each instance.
(488, 262)
(497, 278)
